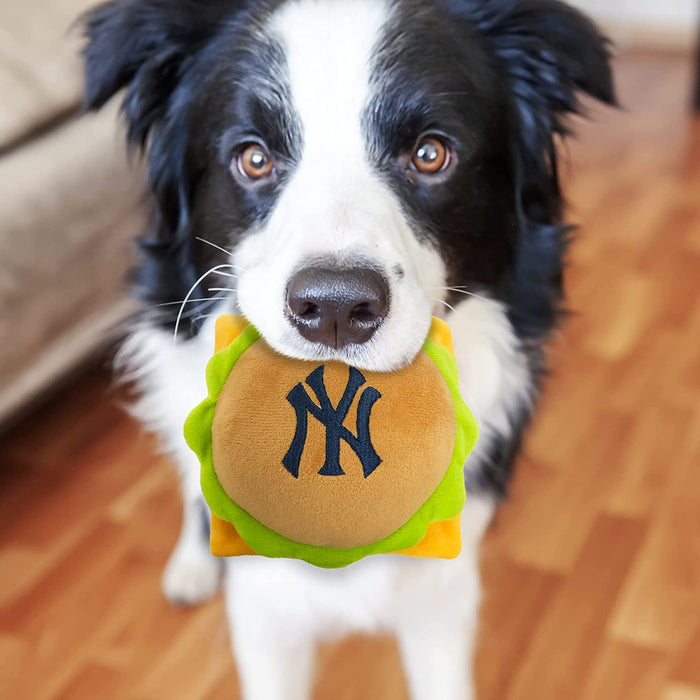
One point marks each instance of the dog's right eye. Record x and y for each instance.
(254, 162)
(431, 155)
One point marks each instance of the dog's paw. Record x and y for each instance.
(191, 576)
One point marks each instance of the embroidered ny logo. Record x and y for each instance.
(332, 419)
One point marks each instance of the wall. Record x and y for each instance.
(663, 23)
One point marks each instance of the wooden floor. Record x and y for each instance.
(592, 569)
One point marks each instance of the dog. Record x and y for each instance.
(338, 171)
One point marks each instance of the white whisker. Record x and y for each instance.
(463, 290)
(441, 301)
(211, 271)
(469, 294)
(202, 307)
(201, 316)
(213, 245)
(188, 315)
(190, 301)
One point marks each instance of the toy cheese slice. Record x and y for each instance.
(327, 463)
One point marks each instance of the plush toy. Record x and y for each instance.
(323, 462)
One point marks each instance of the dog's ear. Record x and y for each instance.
(549, 50)
(144, 46)
(550, 53)
(148, 47)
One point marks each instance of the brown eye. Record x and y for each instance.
(254, 162)
(430, 156)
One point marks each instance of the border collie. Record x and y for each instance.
(338, 171)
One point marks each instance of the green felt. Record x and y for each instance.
(446, 502)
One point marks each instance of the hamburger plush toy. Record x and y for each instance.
(327, 463)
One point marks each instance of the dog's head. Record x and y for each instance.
(359, 163)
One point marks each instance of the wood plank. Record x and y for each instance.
(625, 671)
(566, 639)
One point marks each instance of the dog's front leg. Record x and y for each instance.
(273, 668)
(438, 616)
(437, 659)
(275, 654)
(192, 574)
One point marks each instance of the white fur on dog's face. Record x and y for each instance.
(335, 205)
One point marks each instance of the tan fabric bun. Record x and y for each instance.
(255, 424)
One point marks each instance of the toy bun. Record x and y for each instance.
(328, 463)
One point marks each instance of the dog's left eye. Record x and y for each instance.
(254, 162)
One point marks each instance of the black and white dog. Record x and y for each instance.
(338, 171)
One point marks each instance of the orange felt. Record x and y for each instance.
(227, 329)
(225, 541)
(443, 540)
(441, 334)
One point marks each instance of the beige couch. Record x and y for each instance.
(69, 204)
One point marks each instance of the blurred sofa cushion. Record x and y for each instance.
(70, 204)
(40, 78)
(69, 210)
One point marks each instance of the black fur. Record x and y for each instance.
(190, 69)
(497, 77)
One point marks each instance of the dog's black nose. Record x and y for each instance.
(337, 307)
